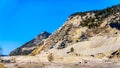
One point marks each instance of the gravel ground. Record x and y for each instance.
(61, 65)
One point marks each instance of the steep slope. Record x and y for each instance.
(80, 28)
(97, 47)
(28, 47)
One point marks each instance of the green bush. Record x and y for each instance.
(72, 49)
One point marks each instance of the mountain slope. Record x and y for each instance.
(80, 28)
(28, 47)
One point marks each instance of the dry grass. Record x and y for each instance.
(38, 50)
(1, 66)
(50, 57)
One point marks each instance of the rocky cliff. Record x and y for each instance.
(91, 34)
(28, 47)
(96, 32)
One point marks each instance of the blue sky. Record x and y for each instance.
(22, 20)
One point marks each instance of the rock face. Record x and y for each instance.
(28, 47)
(93, 34)
(80, 28)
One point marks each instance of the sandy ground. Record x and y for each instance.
(61, 65)
(82, 52)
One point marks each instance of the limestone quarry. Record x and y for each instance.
(91, 37)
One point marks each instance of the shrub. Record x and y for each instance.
(13, 60)
(50, 57)
(72, 49)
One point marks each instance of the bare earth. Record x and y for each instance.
(61, 65)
